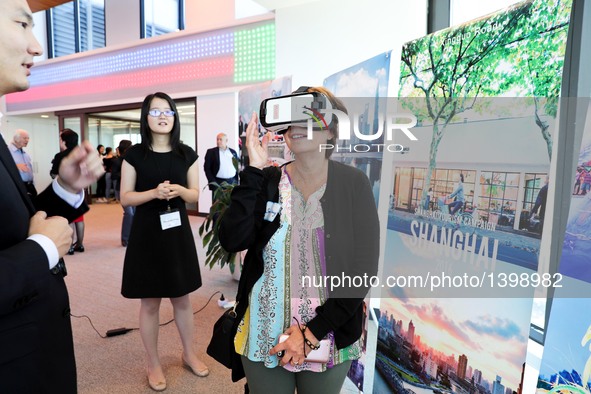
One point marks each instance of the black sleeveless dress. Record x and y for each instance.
(160, 263)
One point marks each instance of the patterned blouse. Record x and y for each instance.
(295, 250)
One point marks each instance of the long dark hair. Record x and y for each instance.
(146, 132)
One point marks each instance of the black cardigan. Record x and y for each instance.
(351, 235)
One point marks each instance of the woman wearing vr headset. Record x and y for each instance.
(312, 218)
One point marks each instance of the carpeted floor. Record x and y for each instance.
(117, 364)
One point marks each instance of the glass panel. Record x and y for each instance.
(513, 179)
(440, 174)
(63, 37)
(511, 193)
(91, 17)
(161, 17)
(498, 178)
(72, 123)
(483, 204)
(403, 181)
(93, 131)
(92, 24)
(469, 176)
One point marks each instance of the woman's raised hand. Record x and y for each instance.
(257, 150)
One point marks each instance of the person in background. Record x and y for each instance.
(108, 163)
(539, 207)
(159, 176)
(219, 166)
(579, 176)
(128, 211)
(101, 183)
(586, 181)
(312, 215)
(36, 346)
(23, 160)
(458, 194)
(428, 199)
(68, 142)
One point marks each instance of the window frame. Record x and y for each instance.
(180, 18)
(77, 34)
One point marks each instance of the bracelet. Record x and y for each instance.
(309, 343)
(306, 340)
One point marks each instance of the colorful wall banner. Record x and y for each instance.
(216, 59)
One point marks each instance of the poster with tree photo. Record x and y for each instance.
(464, 218)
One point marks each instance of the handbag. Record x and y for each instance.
(221, 345)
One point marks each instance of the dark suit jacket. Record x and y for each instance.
(212, 164)
(36, 347)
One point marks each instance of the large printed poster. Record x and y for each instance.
(467, 202)
(576, 253)
(566, 362)
(363, 86)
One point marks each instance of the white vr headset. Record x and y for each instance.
(299, 108)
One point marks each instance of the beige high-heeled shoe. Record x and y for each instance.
(156, 386)
(203, 373)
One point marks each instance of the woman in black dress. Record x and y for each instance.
(101, 182)
(69, 141)
(158, 177)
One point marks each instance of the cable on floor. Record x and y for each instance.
(123, 330)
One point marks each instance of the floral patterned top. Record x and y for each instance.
(295, 250)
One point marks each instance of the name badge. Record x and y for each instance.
(170, 219)
(273, 208)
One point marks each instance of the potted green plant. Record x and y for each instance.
(208, 231)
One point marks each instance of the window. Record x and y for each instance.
(92, 24)
(409, 187)
(533, 183)
(499, 192)
(161, 16)
(76, 26)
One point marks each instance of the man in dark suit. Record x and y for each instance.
(36, 347)
(219, 164)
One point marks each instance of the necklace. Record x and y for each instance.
(308, 185)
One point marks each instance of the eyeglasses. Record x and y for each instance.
(156, 112)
